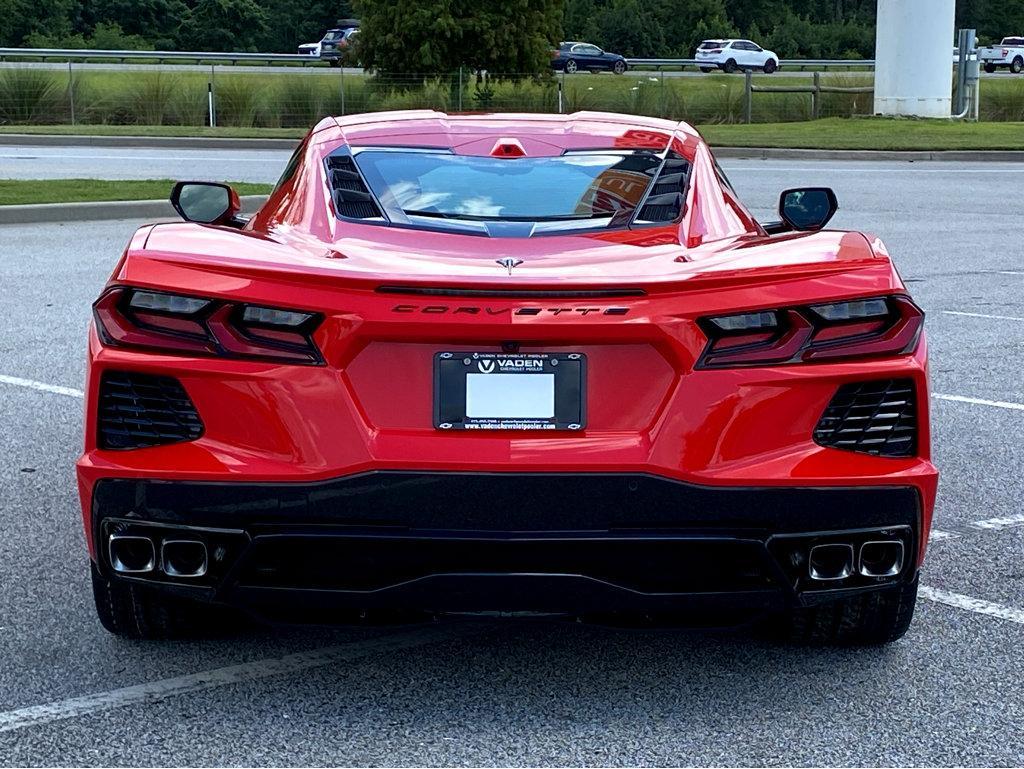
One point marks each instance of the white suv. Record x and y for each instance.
(735, 55)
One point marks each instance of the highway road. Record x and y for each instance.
(950, 693)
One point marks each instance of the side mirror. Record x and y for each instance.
(808, 208)
(205, 202)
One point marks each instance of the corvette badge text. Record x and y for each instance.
(441, 309)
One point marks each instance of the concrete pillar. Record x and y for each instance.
(914, 57)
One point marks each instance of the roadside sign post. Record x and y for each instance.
(748, 96)
(71, 92)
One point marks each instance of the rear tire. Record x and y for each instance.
(1017, 65)
(880, 617)
(770, 66)
(571, 67)
(990, 68)
(138, 611)
(730, 66)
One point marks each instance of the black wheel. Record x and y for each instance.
(619, 67)
(136, 611)
(770, 66)
(1017, 65)
(334, 62)
(571, 67)
(990, 68)
(705, 70)
(879, 617)
(730, 66)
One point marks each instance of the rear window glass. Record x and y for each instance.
(577, 186)
(708, 45)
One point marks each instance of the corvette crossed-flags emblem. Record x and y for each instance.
(509, 262)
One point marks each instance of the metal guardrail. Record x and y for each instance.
(816, 89)
(77, 54)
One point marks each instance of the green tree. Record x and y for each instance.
(223, 25)
(291, 23)
(155, 20)
(105, 36)
(436, 37)
(21, 18)
(630, 27)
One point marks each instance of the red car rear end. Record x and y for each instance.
(354, 406)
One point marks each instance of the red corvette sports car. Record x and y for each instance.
(516, 364)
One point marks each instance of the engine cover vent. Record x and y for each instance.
(352, 198)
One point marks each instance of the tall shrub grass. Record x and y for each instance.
(30, 95)
(35, 96)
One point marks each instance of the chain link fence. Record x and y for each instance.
(76, 94)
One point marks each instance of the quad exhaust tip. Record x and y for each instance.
(830, 562)
(881, 558)
(183, 558)
(131, 554)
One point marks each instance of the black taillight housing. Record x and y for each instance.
(192, 325)
(857, 328)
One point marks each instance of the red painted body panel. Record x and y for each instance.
(369, 407)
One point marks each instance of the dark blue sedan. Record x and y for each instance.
(578, 57)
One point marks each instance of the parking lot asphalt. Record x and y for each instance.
(951, 692)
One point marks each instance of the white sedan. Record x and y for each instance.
(735, 55)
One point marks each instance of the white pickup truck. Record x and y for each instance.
(1009, 53)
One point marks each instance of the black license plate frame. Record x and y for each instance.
(568, 369)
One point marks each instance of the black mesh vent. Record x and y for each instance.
(666, 199)
(140, 410)
(352, 199)
(873, 417)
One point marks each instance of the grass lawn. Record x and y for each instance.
(830, 133)
(870, 134)
(23, 191)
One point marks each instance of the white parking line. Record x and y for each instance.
(979, 401)
(981, 315)
(17, 381)
(936, 535)
(996, 524)
(968, 603)
(156, 691)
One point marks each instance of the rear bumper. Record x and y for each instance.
(569, 543)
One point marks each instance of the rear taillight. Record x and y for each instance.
(887, 325)
(128, 317)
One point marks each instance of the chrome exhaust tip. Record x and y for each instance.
(185, 558)
(830, 562)
(131, 554)
(881, 558)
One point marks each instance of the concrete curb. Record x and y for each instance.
(759, 153)
(150, 142)
(55, 213)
